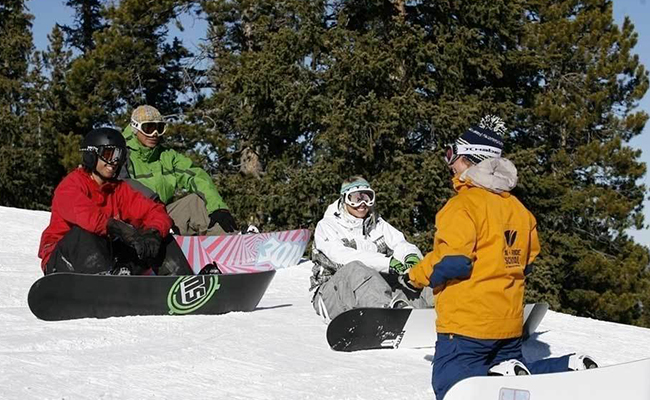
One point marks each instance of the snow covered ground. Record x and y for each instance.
(278, 351)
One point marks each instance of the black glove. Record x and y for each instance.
(146, 244)
(409, 290)
(117, 229)
(224, 218)
(151, 241)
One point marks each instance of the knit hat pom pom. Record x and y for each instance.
(493, 123)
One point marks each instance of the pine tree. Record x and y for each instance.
(325, 89)
(131, 64)
(88, 20)
(303, 94)
(15, 52)
(263, 114)
(58, 106)
(40, 169)
(579, 175)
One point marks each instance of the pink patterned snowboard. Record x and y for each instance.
(245, 253)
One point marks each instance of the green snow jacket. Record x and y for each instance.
(165, 170)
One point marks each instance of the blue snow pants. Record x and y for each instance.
(459, 357)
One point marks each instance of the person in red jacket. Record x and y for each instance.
(100, 225)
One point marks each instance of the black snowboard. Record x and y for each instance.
(370, 328)
(63, 296)
(385, 328)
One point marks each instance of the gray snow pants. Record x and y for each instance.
(191, 217)
(355, 285)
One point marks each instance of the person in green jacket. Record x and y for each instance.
(158, 172)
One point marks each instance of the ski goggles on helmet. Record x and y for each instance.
(451, 154)
(358, 196)
(111, 154)
(150, 129)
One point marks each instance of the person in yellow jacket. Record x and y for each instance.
(484, 245)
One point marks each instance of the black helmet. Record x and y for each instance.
(105, 143)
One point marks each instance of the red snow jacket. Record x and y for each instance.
(80, 200)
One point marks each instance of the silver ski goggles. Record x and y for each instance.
(358, 196)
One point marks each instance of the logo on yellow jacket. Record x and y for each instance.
(512, 256)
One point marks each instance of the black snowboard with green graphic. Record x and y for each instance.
(63, 296)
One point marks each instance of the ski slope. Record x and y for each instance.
(278, 351)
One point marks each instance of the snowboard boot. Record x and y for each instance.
(509, 368)
(399, 303)
(579, 362)
(211, 269)
(121, 271)
(249, 229)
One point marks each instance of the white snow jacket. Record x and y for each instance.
(342, 238)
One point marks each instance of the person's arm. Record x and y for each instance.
(139, 210)
(196, 180)
(328, 242)
(124, 175)
(396, 241)
(453, 250)
(534, 248)
(72, 201)
(140, 187)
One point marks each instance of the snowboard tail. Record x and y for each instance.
(375, 328)
(627, 381)
(245, 253)
(386, 328)
(63, 296)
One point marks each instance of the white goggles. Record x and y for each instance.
(150, 128)
(355, 197)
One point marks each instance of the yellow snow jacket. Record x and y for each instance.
(485, 239)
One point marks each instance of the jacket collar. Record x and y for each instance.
(337, 212)
(106, 187)
(138, 149)
(496, 175)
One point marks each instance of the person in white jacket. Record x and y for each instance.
(359, 258)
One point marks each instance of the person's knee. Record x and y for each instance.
(78, 233)
(171, 259)
(357, 271)
(442, 379)
(357, 266)
(194, 200)
(81, 251)
(330, 302)
(448, 369)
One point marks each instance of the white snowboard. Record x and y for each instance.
(420, 328)
(628, 381)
